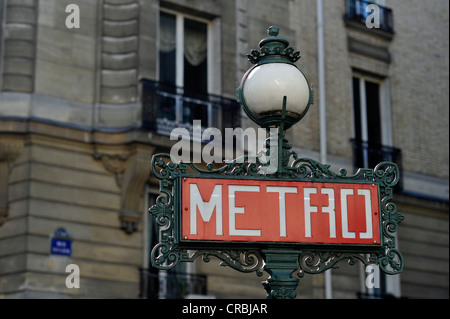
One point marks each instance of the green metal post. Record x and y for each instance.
(280, 169)
(280, 264)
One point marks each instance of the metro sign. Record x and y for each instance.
(274, 211)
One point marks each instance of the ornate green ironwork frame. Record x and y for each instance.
(310, 258)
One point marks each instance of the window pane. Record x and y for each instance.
(358, 143)
(373, 112)
(195, 57)
(167, 48)
(374, 123)
(357, 109)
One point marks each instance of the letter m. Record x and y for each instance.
(206, 209)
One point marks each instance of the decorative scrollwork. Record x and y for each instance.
(308, 168)
(392, 262)
(255, 56)
(164, 255)
(274, 292)
(242, 260)
(387, 173)
(316, 262)
(274, 45)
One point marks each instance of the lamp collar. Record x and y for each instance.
(274, 49)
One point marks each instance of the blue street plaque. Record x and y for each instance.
(61, 243)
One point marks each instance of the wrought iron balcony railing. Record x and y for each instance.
(171, 284)
(166, 107)
(356, 11)
(368, 155)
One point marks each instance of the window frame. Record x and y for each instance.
(213, 52)
(384, 107)
(211, 34)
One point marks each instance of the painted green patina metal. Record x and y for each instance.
(311, 259)
(285, 262)
(279, 264)
(274, 49)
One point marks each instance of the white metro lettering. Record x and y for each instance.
(282, 198)
(330, 209)
(206, 208)
(240, 210)
(368, 213)
(267, 211)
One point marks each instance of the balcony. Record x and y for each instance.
(166, 107)
(368, 155)
(356, 11)
(171, 285)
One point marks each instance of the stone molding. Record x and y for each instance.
(10, 150)
(132, 171)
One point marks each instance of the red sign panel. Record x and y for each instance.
(279, 211)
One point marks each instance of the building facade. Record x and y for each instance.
(88, 93)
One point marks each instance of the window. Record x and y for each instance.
(183, 68)
(367, 122)
(183, 58)
(188, 84)
(372, 123)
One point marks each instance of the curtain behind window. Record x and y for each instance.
(195, 42)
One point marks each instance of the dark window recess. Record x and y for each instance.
(195, 57)
(167, 50)
(171, 284)
(370, 123)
